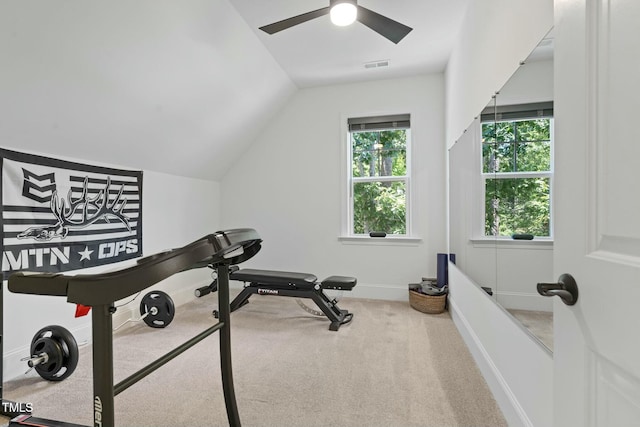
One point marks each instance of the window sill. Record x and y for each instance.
(536, 243)
(381, 241)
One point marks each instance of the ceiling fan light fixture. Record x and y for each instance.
(343, 12)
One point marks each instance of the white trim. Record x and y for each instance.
(523, 301)
(379, 292)
(389, 240)
(507, 401)
(346, 203)
(393, 178)
(542, 243)
(516, 175)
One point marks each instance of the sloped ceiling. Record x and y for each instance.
(184, 87)
(180, 87)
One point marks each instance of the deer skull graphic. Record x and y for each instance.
(64, 214)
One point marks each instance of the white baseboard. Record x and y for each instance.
(507, 401)
(180, 295)
(382, 292)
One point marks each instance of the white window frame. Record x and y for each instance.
(513, 175)
(347, 234)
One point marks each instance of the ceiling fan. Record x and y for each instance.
(345, 12)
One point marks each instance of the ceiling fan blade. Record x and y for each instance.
(290, 22)
(387, 27)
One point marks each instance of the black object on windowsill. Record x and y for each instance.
(522, 237)
(377, 234)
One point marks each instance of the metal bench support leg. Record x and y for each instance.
(225, 346)
(102, 328)
(243, 297)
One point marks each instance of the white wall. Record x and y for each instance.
(289, 186)
(532, 82)
(181, 87)
(176, 211)
(496, 35)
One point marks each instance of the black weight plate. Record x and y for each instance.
(160, 309)
(55, 357)
(61, 348)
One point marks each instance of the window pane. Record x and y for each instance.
(533, 156)
(488, 132)
(382, 153)
(505, 131)
(519, 205)
(504, 157)
(379, 206)
(498, 157)
(534, 130)
(489, 158)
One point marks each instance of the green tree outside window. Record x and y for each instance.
(516, 165)
(379, 185)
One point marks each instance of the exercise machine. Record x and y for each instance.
(298, 285)
(100, 291)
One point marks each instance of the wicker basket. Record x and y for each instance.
(427, 303)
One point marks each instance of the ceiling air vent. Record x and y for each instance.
(376, 64)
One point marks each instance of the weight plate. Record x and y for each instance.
(61, 349)
(158, 309)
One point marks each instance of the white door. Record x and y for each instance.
(597, 211)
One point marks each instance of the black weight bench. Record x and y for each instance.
(298, 285)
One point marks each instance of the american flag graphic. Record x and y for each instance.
(59, 215)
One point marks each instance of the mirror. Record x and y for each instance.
(474, 255)
(500, 183)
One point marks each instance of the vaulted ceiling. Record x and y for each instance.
(184, 87)
(319, 53)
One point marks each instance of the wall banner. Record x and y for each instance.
(59, 215)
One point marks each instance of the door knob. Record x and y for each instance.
(566, 289)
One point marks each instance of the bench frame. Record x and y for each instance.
(328, 306)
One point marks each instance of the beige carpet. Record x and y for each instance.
(392, 366)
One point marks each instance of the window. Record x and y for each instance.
(379, 174)
(517, 171)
